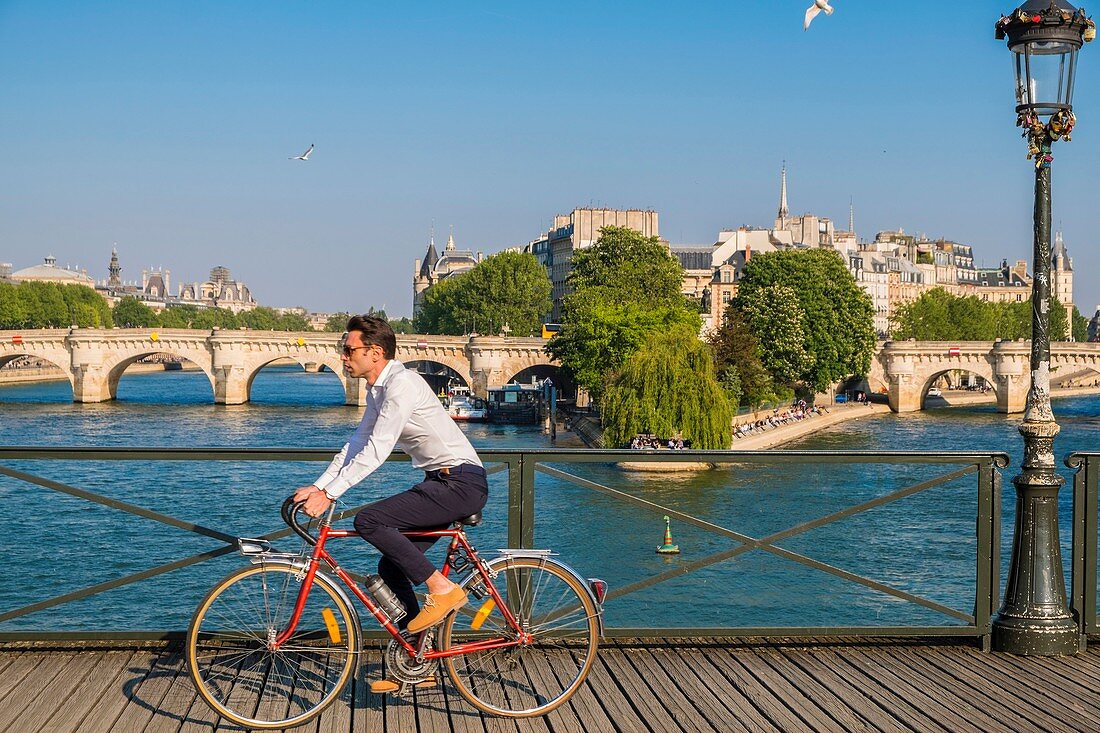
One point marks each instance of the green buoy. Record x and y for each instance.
(668, 548)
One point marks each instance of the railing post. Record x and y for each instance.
(527, 501)
(987, 574)
(515, 501)
(1083, 575)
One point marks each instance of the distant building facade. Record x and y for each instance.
(578, 230)
(435, 268)
(894, 269)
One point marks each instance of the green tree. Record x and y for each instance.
(130, 312)
(630, 265)
(402, 325)
(443, 309)
(667, 387)
(731, 385)
(1080, 326)
(602, 334)
(45, 305)
(939, 316)
(624, 287)
(87, 308)
(337, 322)
(507, 289)
(13, 310)
(292, 322)
(837, 316)
(735, 349)
(261, 318)
(775, 318)
(189, 316)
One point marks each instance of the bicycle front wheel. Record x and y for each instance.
(232, 662)
(527, 680)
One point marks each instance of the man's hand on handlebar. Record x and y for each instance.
(316, 502)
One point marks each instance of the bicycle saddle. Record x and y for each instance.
(471, 521)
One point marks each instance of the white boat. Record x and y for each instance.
(463, 406)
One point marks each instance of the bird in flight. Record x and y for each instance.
(816, 8)
(305, 155)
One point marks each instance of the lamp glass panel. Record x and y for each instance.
(1044, 77)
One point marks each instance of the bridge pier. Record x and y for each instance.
(355, 391)
(1010, 369)
(91, 383)
(487, 355)
(91, 376)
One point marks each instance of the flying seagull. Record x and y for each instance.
(305, 155)
(816, 8)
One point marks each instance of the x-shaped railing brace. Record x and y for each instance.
(767, 543)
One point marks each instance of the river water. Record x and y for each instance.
(923, 544)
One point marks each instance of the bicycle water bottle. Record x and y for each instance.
(386, 599)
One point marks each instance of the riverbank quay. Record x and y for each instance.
(670, 686)
(32, 375)
(781, 434)
(587, 427)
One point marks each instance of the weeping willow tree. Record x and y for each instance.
(668, 387)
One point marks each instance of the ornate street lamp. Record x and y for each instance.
(1044, 37)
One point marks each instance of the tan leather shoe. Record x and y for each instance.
(381, 687)
(436, 607)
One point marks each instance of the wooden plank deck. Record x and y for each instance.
(674, 685)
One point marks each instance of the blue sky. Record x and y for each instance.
(166, 127)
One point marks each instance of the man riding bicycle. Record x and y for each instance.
(402, 410)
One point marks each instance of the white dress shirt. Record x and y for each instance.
(402, 410)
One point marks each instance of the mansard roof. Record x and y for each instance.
(694, 258)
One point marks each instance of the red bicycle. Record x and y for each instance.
(274, 643)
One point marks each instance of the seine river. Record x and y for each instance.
(923, 544)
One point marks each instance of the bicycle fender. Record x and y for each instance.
(545, 556)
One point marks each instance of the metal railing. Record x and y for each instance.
(540, 476)
(1083, 562)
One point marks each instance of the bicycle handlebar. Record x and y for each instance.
(289, 512)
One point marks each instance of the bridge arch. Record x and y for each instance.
(307, 361)
(438, 379)
(44, 356)
(115, 366)
(931, 379)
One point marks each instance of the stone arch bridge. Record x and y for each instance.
(94, 359)
(907, 369)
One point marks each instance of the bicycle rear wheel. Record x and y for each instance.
(523, 681)
(237, 673)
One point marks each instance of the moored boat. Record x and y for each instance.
(464, 407)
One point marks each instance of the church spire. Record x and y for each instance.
(851, 217)
(451, 239)
(114, 269)
(783, 212)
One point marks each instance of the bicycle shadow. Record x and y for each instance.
(164, 689)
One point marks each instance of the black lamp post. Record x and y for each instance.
(1044, 37)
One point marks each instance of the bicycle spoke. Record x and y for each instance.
(240, 674)
(544, 600)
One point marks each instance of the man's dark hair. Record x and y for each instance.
(375, 331)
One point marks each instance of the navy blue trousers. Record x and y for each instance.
(435, 503)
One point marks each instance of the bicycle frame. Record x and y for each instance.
(458, 542)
